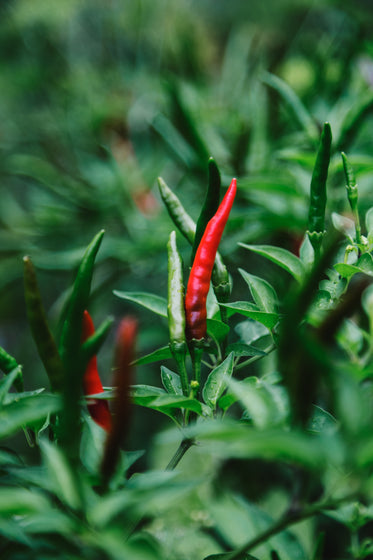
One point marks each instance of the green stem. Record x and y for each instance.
(196, 355)
(180, 360)
(185, 444)
(289, 518)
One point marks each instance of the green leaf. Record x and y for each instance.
(165, 403)
(369, 221)
(171, 381)
(322, 421)
(292, 99)
(346, 270)
(217, 329)
(265, 404)
(239, 521)
(7, 381)
(92, 444)
(364, 265)
(153, 302)
(158, 355)
(227, 555)
(262, 292)
(20, 501)
(60, 474)
(27, 411)
(240, 350)
(281, 257)
(250, 331)
(144, 394)
(216, 382)
(247, 309)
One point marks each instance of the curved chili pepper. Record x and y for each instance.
(200, 275)
(98, 409)
(186, 226)
(124, 356)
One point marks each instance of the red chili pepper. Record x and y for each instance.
(200, 275)
(124, 356)
(98, 409)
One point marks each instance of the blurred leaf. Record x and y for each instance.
(266, 405)
(240, 521)
(158, 355)
(63, 481)
(280, 256)
(153, 302)
(291, 98)
(7, 382)
(229, 439)
(21, 501)
(216, 382)
(27, 411)
(217, 329)
(322, 421)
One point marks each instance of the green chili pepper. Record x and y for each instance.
(352, 194)
(71, 349)
(44, 340)
(185, 224)
(8, 364)
(176, 311)
(316, 215)
(178, 214)
(210, 205)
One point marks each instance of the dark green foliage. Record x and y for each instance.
(259, 444)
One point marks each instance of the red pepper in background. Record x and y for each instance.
(124, 356)
(200, 275)
(99, 408)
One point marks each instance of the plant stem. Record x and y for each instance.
(185, 444)
(288, 519)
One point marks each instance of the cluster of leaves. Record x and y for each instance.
(273, 456)
(305, 417)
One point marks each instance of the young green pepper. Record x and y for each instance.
(176, 311)
(316, 215)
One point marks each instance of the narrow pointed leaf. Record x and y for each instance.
(262, 292)
(281, 257)
(216, 382)
(154, 303)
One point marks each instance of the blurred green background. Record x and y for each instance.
(98, 98)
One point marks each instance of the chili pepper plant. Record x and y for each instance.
(267, 449)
